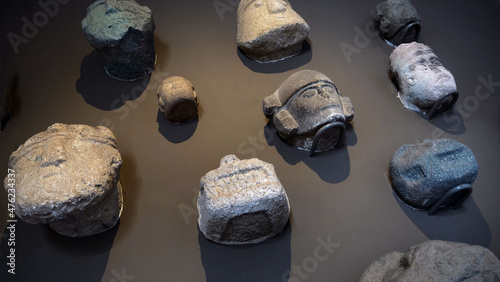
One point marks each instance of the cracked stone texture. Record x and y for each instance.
(435, 261)
(422, 79)
(68, 177)
(392, 15)
(305, 102)
(242, 202)
(122, 33)
(422, 173)
(269, 30)
(177, 99)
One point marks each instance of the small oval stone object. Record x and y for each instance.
(68, 177)
(269, 30)
(178, 100)
(242, 202)
(422, 173)
(121, 31)
(436, 260)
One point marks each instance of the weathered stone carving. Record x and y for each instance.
(304, 104)
(269, 30)
(422, 173)
(122, 33)
(242, 202)
(178, 100)
(436, 261)
(398, 21)
(422, 79)
(68, 177)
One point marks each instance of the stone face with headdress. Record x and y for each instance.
(304, 103)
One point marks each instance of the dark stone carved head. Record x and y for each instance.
(304, 103)
(392, 15)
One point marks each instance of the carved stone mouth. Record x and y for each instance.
(442, 78)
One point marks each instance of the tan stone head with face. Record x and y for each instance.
(269, 30)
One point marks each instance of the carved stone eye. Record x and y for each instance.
(328, 89)
(308, 93)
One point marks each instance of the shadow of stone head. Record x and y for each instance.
(332, 166)
(451, 122)
(291, 63)
(176, 133)
(42, 249)
(266, 261)
(102, 91)
(466, 224)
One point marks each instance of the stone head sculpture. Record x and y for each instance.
(398, 21)
(269, 30)
(303, 105)
(68, 177)
(434, 174)
(422, 80)
(121, 31)
(178, 100)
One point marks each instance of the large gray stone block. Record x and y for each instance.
(269, 30)
(68, 177)
(242, 202)
(422, 173)
(435, 261)
(122, 33)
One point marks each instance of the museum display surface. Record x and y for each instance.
(344, 213)
(177, 99)
(68, 177)
(122, 32)
(308, 111)
(422, 174)
(269, 30)
(397, 21)
(436, 261)
(424, 84)
(242, 202)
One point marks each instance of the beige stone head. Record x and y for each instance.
(269, 30)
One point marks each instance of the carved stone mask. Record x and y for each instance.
(303, 104)
(422, 79)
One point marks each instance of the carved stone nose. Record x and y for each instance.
(434, 69)
(275, 7)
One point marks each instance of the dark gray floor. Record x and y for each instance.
(344, 213)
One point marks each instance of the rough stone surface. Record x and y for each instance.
(421, 78)
(269, 30)
(423, 173)
(392, 15)
(436, 261)
(178, 100)
(122, 33)
(305, 102)
(242, 202)
(68, 177)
